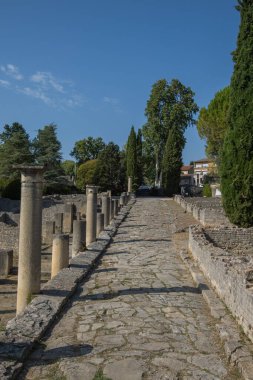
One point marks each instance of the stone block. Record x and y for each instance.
(6, 261)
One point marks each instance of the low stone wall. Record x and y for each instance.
(230, 274)
(207, 211)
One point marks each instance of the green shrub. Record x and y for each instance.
(86, 174)
(50, 188)
(12, 188)
(207, 191)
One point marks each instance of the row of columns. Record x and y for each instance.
(84, 231)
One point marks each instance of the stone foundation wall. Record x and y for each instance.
(207, 211)
(238, 241)
(230, 274)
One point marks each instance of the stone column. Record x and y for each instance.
(29, 263)
(58, 218)
(68, 218)
(91, 214)
(112, 209)
(129, 187)
(105, 209)
(48, 232)
(121, 201)
(116, 207)
(100, 222)
(60, 253)
(79, 236)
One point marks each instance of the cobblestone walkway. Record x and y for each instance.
(139, 316)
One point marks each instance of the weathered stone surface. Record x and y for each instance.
(139, 312)
(28, 327)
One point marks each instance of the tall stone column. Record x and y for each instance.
(68, 217)
(105, 209)
(129, 187)
(29, 264)
(79, 238)
(112, 209)
(116, 207)
(91, 214)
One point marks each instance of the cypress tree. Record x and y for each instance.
(131, 158)
(172, 161)
(139, 158)
(237, 155)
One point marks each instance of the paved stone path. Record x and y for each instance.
(139, 316)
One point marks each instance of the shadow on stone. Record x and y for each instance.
(134, 291)
(105, 270)
(70, 351)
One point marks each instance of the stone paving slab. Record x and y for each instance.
(138, 316)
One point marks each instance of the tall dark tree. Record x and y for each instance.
(108, 172)
(15, 149)
(139, 158)
(47, 151)
(131, 158)
(87, 149)
(172, 161)
(237, 156)
(170, 105)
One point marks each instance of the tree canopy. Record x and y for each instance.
(212, 122)
(87, 149)
(237, 154)
(170, 105)
(15, 149)
(47, 151)
(86, 174)
(109, 169)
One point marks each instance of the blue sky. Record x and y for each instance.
(88, 65)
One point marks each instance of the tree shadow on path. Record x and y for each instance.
(135, 291)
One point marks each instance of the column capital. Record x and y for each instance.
(91, 189)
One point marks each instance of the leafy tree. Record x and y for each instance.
(86, 174)
(212, 123)
(15, 149)
(131, 158)
(139, 158)
(47, 151)
(172, 161)
(87, 149)
(170, 105)
(108, 173)
(237, 155)
(68, 167)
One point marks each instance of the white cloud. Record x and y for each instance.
(38, 94)
(113, 101)
(12, 71)
(44, 86)
(4, 83)
(47, 80)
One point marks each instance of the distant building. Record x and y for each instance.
(203, 167)
(187, 175)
